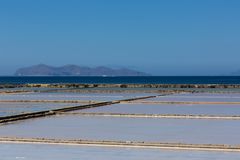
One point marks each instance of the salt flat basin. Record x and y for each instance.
(186, 109)
(199, 97)
(13, 108)
(71, 96)
(127, 129)
(62, 152)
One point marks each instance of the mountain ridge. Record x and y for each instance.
(75, 70)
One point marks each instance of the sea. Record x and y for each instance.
(122, 80)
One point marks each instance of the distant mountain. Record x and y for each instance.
(74, 70)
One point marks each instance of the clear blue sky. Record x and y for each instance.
(171, 37)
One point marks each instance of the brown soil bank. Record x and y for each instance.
(106, 143)
(14, 92)
(178, 102)
(169, 116)
(11, 86)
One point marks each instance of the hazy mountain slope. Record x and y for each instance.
(74, 70)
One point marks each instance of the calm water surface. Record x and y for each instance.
(132, 129)
(59, 152)
(72, 96)
(7, 109)
(193, 109)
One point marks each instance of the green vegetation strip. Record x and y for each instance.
(106, 143)
(172, 116)
(65, 109)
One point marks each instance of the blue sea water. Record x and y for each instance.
(123, 80)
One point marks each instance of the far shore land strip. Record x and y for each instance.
(156, 89)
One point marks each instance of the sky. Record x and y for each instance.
(161, 37)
